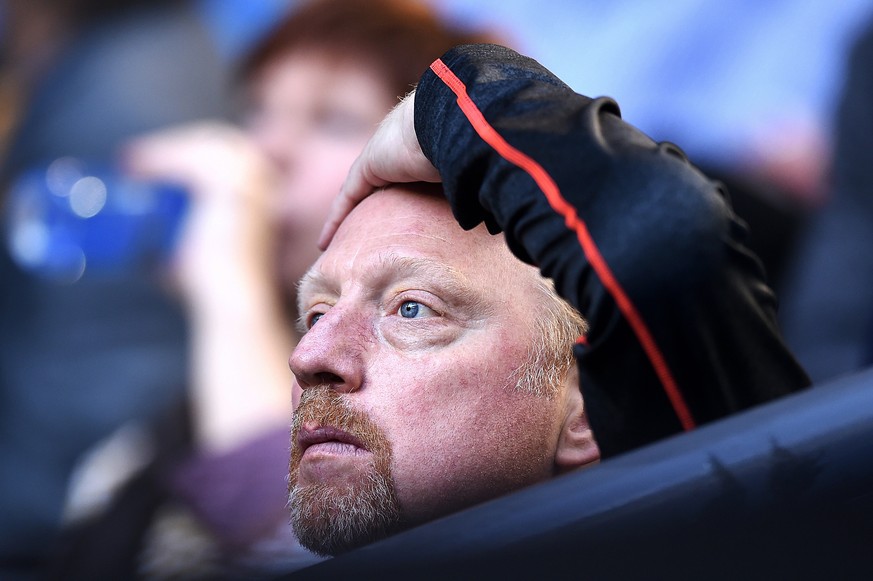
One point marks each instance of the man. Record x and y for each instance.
(317, 86)
(682, 325)
(436, 372)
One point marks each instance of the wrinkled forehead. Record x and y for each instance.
(416, 222)
(406, 211)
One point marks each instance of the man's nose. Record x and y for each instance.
(332, 352)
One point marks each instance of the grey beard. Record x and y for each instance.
(329, 521)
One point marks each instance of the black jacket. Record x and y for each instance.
(634, 236)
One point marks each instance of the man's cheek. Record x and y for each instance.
(425, 335)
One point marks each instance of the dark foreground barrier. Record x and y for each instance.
(784, 491)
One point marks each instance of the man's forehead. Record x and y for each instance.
(403, 232)
(411, 222)
(398, 209)
(387, 266)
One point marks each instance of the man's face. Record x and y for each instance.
(407, 405)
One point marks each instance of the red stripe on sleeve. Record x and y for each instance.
(573, 222)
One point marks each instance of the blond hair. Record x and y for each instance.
(550, 357)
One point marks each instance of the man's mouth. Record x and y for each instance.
(329, 440)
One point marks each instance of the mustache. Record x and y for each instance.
(323, 408)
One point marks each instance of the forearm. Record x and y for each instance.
(223, 268)
(240, 378)
(633, 235)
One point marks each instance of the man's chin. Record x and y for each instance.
(336, 470)
(341, 494)
(330, 521)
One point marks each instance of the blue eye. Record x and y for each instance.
(413, 310)
(314, 319)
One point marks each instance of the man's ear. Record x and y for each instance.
(576, 445)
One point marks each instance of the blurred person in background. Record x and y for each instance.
(827, 311)
(315, 90)
(77, 361)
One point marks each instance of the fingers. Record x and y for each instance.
(393, 155)
(339, 209)
(209, 159)
(147, 157)
(176, 154)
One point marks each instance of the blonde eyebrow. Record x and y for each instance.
(312, 281)
(389, 267)
(447, 277)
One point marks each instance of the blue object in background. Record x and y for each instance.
(69, 216)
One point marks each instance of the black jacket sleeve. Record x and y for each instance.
(663, 230)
